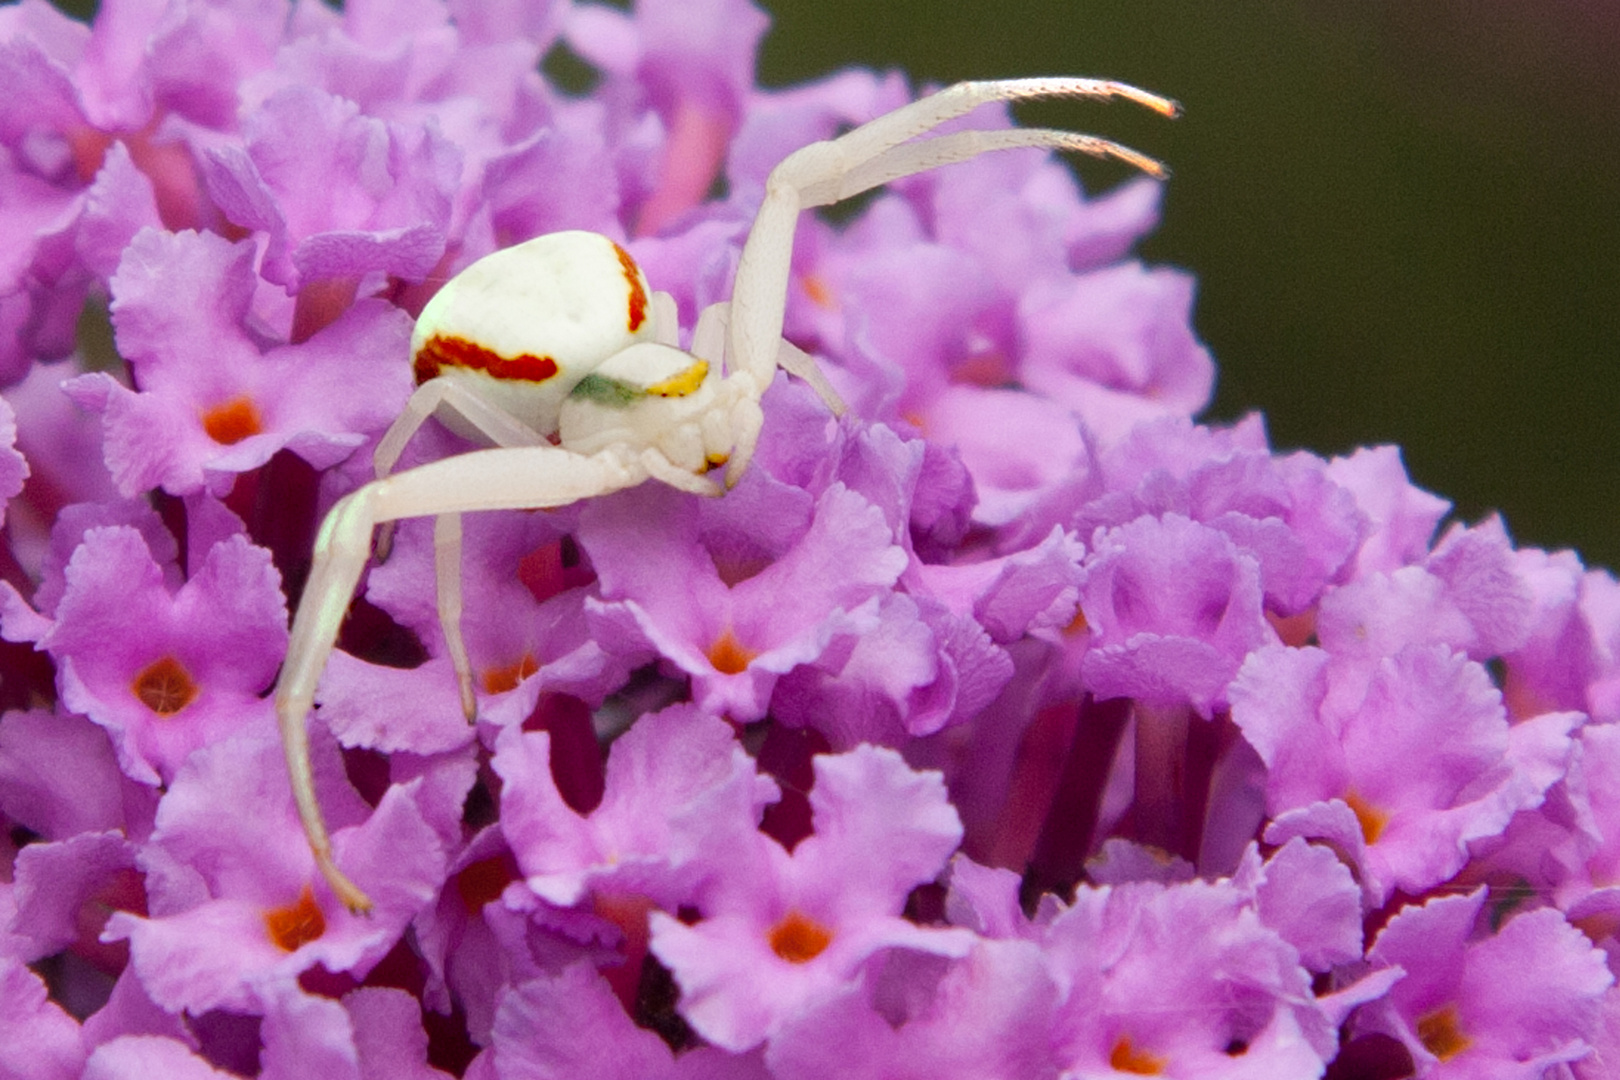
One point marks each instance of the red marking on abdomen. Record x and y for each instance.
(638, 295)
(439, 352)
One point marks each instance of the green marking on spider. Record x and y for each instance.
(605, 391)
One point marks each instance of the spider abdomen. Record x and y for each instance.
(524, 325)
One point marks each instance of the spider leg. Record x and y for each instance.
(795, 361)
(709, 336)
(495, 423)
(875, 153)
(666, 320)
(447, 581)
(711, 332)
(907, 122)
(508, 478)
(911, 158)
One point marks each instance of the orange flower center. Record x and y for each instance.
(730, 656)
(235, 420)
(818, 292)
(1128, 1059)
(297, 924)
(1441, 1034)
(1371, 818)
(164, 686)
(498, 680)
(798, 938)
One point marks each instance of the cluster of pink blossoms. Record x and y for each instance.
(1014, 725)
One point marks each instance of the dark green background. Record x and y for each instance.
(1404, 214)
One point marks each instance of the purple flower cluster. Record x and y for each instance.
(1013, 725)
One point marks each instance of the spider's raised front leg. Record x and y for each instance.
(516, 478)
(874, 154)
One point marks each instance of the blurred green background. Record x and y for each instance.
(1404, 215)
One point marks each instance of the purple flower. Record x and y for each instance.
(1116, 345)
(672, 779)
(1240, 765)
(213, 397)
(236, 904)
(1151, 986)
(1418, 759)
(132, 1056)
(1517, 1001)
(38, 1040)
(524, 625)
(745, 604)
(389, 214)
(781, 932)
(60, 776)
(988, 1014)
(571, 1025)
(693, 64)
(374, 1031)
(195, 674)
(1173, 608)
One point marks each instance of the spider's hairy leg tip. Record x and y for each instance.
(356, 901)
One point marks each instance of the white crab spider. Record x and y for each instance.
(560, 338)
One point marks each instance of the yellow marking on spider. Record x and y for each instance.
(683, 383)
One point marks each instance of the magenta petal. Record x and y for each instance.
(54, 881)
(391, 709)
(1529, 993)
(38, 1041)
(673, 779)
(120, 204)
(60, 777)
(571, 1025)
(135, 1057)
(989, 1016)
(305, 1036)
